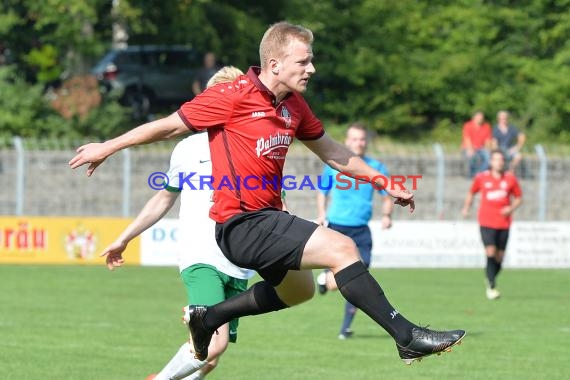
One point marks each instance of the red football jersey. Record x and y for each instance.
(249, 134)
(495, 194)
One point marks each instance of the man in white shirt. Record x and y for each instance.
(208, 276)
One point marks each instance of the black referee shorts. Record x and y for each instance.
(495, 237)
(268, 241)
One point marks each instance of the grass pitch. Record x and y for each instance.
(77, 322)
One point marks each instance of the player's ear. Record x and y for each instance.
(274, 66)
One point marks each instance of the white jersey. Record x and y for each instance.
(196, 231)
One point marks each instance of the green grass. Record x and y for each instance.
(87, 323)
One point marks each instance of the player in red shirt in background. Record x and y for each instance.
(477, 138)
(497, 187)
(251, 122)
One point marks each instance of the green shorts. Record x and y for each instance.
(205, 285)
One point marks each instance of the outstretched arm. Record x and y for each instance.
(152, 212)
(95, 153)
(340, 158)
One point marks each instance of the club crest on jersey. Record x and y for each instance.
(286, 116)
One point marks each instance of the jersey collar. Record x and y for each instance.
(253, 75)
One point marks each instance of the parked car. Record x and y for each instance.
(143, 75)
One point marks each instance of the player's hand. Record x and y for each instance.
(93, 154)
(403, 198)
(506, 211)
(321, 221)
(386, 222)
(114, 253)
(465, 212)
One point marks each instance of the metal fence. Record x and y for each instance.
(36, 180)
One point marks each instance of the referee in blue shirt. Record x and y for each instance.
(349, 212)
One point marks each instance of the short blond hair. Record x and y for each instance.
(225, 74)
(277, 38)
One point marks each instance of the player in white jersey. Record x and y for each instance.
(208, 276)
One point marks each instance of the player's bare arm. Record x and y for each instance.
(95, 153)
(508, 210)
(152, 212)
(387, 208)
(467, 204)
(342, 159)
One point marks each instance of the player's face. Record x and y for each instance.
(356, 141)
(497, 162)
(478, 118)
(296, 67)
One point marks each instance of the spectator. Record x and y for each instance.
(477, 143)
(508, 139)
(205, 73)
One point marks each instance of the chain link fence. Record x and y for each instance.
(36, 180)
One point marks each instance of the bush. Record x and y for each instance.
(27, 112)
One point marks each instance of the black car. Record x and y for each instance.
(143, 75)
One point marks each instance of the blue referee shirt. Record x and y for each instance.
(350, 207)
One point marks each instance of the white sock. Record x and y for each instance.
(195, 376)
(181, 365)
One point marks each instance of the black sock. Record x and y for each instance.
(499, 266)
(259, 299)
(359, 288)
(492, 270)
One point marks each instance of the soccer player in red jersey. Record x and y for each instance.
(497, 187)
(251, 122)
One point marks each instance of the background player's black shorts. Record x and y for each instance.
(492, 236)
(268, 241)
(361, 236)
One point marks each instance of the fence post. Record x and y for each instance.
(542, 181)
(20, 174)
(126, 182)
(440, 179)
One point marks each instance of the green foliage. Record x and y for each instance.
(109, 119)
(411, 70)
(21, 105)
(8, 20)
(410, 67)
(230, 29)
(25, 111)
(44, 60)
